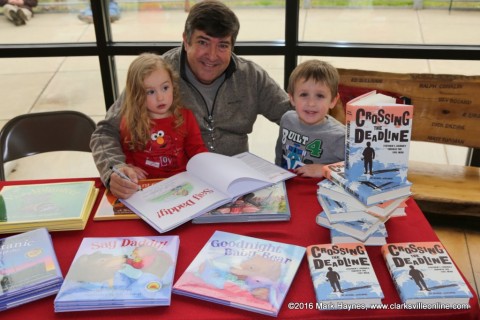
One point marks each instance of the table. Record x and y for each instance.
(301, 230)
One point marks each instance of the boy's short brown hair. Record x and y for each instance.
(319, 71)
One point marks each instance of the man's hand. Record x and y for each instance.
(123, 188)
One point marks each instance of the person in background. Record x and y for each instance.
(225, 92)
(309, 137)
(113, 10)
(158, 136)
(18, 11)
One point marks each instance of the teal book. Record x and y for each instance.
(55, 206)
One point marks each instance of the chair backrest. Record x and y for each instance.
(34, 133)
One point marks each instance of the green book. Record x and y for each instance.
(55, 206)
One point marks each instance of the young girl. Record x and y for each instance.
(158, 135)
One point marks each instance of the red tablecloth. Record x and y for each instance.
(301, 230)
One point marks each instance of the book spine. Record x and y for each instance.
(347, 146)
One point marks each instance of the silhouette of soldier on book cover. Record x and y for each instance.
(418, 276)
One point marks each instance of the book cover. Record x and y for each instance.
(111, 208)
(56, 206)
(377, 238)
(211, 180)
(267, 204)
(242, 272)
(395, 207)
(377, 140)
(425, 275)
(119, 272)
(29, 268)
(343, 275)
(359, 229)
(367, 192)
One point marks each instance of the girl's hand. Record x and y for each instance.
(141, 174)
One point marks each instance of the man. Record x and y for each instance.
(225, 92)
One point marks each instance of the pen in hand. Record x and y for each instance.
(123, 176)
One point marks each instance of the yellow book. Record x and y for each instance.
(55, 206)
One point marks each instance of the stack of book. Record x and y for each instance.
(361, 193)
(55, 206)
(118, 273)
(29, 268)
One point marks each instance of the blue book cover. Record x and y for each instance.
(359, 229)
(338, 211)
(377, 238)
(366, 191)
(425, 275)
(343, 275)
(242, 272)
(119, 272)
(29, 268)
(377, 140)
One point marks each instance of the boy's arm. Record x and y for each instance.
(310, 171)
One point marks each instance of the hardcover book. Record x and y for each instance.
(211, 180)
(242, 272)
(337, 211)
(267, 204)
(55, 206)
(123, 272)
(395, 207)
(377, 238)
(377, 140)
(111, 208)
(359, 229)
(365, 191)
(425, 275)
(343, 275)
(29, 268)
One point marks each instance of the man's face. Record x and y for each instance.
(208, 57)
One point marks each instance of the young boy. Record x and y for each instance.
(309, 138)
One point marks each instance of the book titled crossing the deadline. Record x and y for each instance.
(377, 140)
(29, 268)
(424, 275)
(121, 272)
(343, 276)
(242, 272)
(211, 180)
(366, 191)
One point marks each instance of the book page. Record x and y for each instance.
(373, 98)
(175, 200)
(227, 174)
(273, 172)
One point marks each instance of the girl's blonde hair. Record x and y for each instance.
(134, 110)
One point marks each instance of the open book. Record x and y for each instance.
(211, 180)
